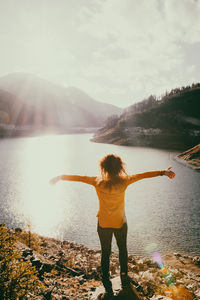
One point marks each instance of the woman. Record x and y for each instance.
(110, 188)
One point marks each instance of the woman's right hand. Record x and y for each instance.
(169, 173)
(55, 179)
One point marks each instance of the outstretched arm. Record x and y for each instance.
(136, 177)
(84, 179)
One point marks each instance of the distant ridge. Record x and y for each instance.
(38, 102)
(173, 122)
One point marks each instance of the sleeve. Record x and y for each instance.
(133, 178)
(84, 179)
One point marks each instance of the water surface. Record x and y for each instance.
(162, 214)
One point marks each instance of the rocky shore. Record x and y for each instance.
(192, 157)
(72, 271)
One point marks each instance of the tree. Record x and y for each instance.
(18, 278)
(111, 121)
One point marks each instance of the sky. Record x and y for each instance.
(117, 51)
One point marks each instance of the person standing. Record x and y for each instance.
(110, 188)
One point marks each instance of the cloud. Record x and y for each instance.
(182, 18)
(139, 43)
(118, 51)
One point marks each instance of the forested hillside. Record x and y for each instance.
(173, 121)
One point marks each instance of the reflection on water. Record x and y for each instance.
(38, 201)
(163, 214)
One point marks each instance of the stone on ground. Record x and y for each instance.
(128, 294)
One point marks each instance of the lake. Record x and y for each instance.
(163, 215)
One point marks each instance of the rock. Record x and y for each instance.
(97, 255)
(18, 230)
(52, 257)
(46, 268)
(197, 294)
(61, 267)
(182, 261)
(65, 243)
(60, 253)
(47, 295)
(36, 262)
(177, 254)
(192, 156)
(27, 252)
(159, 297)
(196, 260)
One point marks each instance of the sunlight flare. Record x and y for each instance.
(41, 205)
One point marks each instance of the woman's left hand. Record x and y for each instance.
(170, 173)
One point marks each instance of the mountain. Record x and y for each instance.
(173, 122)
(81, 99)
(37, 102)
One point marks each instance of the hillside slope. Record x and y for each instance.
(172, 122)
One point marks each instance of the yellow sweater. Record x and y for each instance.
(111, 201)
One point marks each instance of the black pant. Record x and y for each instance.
(105, 236)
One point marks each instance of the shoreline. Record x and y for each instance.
(186, 163)
(72, 271)
(191, 157)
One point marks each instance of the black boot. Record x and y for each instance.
(125, 281)
(108, 287)
(106, 296)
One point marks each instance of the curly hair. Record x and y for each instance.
(112, 168)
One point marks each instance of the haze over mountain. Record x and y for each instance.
(28, 100)
(172, 122)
